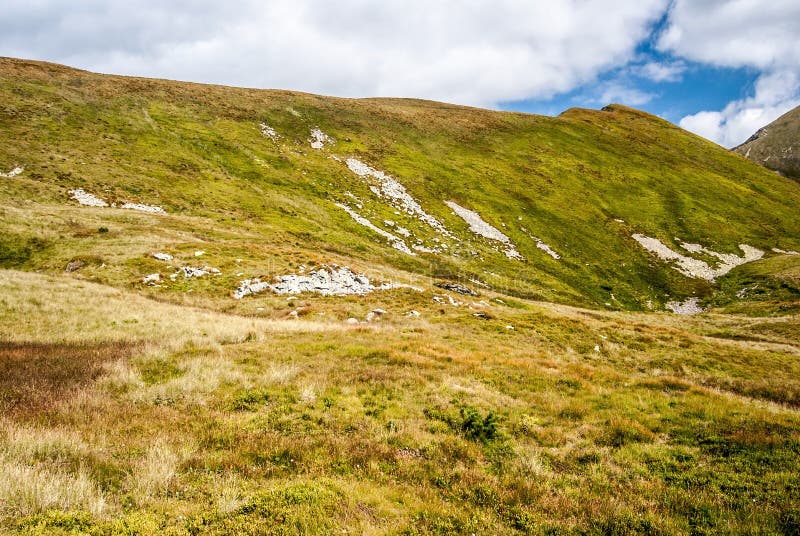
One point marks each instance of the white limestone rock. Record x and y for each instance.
(268, 132)
(697, 268)
(480, 227)
(327, 281)
(152, 209)
(690, 306)
(388, 187)
(85, 198)
(13, 173)
(395, 241)
(189, 271)
(319, 139)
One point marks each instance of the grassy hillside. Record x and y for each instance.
(582, 183)
(762, 288)
(559, 399)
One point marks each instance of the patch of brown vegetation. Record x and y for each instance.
(35, 376)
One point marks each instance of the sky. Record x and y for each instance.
(721, 69)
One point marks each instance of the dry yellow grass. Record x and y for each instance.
(22, 442)
(53, 309)
(29, 489)
(154, 472)
(34, 471)
(222, 417)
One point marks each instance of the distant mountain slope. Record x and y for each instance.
(611, 209)
(777, 145)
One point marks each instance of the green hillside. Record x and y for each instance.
(582, 183)
(470, 333)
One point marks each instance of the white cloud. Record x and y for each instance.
(755, 33)
(480, 52)
(745, 33)
(619, 93)
(662, 72)
(775, 94)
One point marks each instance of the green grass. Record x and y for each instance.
(768, 287)
(176, 409)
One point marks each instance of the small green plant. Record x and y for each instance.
(102, 230)
(249, 400)
(469, 422)
(476, 427)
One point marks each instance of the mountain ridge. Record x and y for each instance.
(776, 146)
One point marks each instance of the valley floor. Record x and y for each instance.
(124, 414)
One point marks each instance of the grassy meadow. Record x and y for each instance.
(131, 416)
(562, 399)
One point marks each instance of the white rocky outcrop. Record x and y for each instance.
(697, 268)
(477, 225)
(375, 314)
(424, 249)
(547, 249)
(388, 187)
(166, 257)
(395, 241)
(446, 298)
(85, 198)
(153, 209)
(319, 139)
(189, 272)
(480, 227)
(784, 252)
(690, 306)
(729, 261)
(90, 200)
(268, 131)
(540, 244)
(151, 279)
(13, 173)
(328, 281)
(251, 286)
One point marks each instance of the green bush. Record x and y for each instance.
(476, 427)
